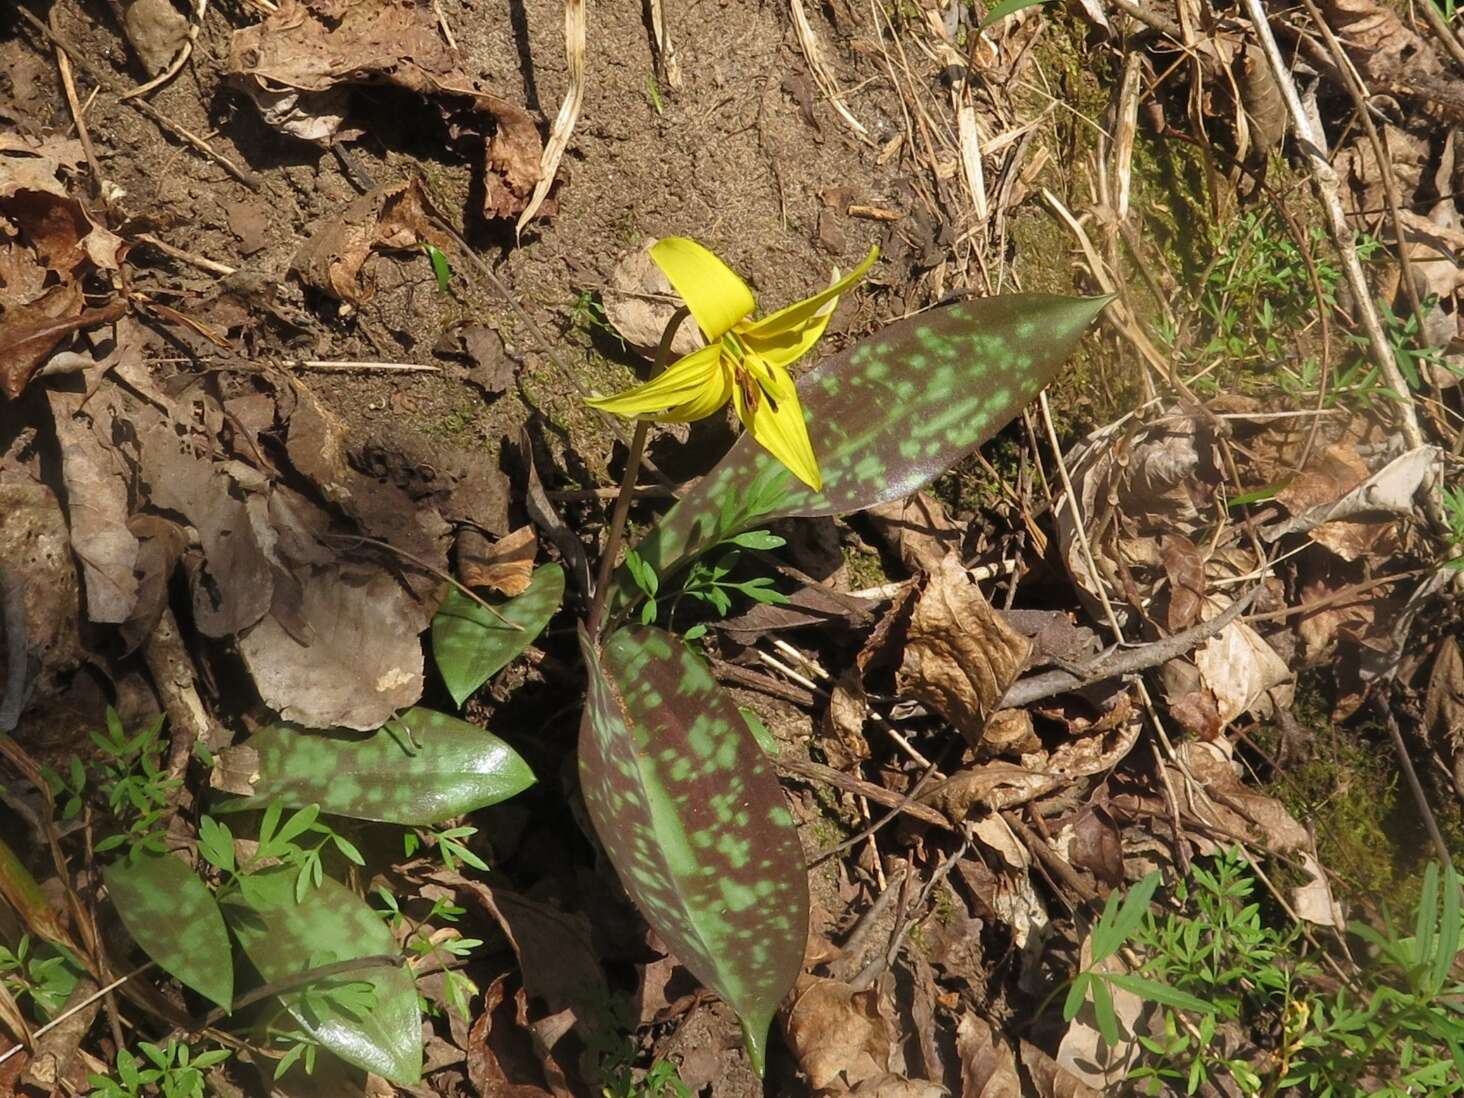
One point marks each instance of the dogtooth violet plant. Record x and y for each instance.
(681, 795)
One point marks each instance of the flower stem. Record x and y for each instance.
(627, 486)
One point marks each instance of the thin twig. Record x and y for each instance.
(1037, 687)
(203, 263)
(1410, 775)
(68, 85)
(876, 793)
(77, 1008)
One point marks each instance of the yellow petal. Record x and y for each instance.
(777, 422)
(713, 292)
(790, 333)
(698, 382)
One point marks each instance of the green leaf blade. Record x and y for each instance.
(284, 938)
(173, 916)
(885, 418)
(470, 645)
(694, 821)
(455, 767)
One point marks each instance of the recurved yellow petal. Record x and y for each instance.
(713, 292)
(698, 382)
(776, 421)
(790, 333)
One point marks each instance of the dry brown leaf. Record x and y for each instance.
(842, 723)
(35, 546)
(96, 481)
(1198, 713)
(296, 63)
(29, 333)
(505, 566)
(993, 786)
(988, 1068)
(640, 301)
(317, 444)
(890, 1085)
(501, 1061)
(232, 580)
(1097, 845)
(157, 31)
(1050, 1080)
(393, 217)
(1010, 732)
(960, 655)
(918, 530)
(1242, 671)
(363, 663)
(1186, 571)
(836, 1033)
(1389, 491)
(1083, 1053)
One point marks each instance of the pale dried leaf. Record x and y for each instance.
(364, 662)
(960, 655)
(988, 1068)
(505, 566)
(835, 1033)
(1241, 670)
(393, 217)
(639, 301)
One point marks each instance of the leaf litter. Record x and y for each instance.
(256, 513)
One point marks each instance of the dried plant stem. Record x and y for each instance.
(203, 263)
(77, 1008)
(1360, 97)
(569, 111)
(1324, 180)
(627, 487)
(78, 115)
(1405, 763)
(1442, 31)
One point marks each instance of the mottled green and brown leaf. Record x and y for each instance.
(173, 916)
(422, 768)
(885, 417)
(694, 820)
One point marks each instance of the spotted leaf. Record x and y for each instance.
(885, 417)
(694, 821)
(470, 644)
(380, 1031)
(173, 916)
(420, 769)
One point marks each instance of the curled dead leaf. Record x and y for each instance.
(393, 217)
(297, 63)
(505, 566)
(836, 1033)
(960, 655)
(639, 301)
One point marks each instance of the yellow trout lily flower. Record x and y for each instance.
(744, 359)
